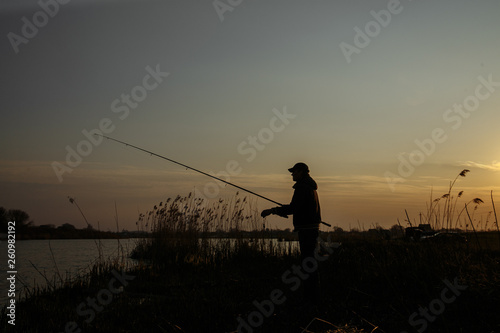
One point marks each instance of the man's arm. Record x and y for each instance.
(285, 210)
(282, 211)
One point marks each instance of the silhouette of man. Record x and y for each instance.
(306, 219)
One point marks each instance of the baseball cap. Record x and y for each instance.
(299, 166)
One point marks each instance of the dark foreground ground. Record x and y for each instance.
(367, 285)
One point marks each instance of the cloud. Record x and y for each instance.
(493, 166)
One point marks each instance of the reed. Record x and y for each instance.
(495, 214)
(442, 212)
(190, 230)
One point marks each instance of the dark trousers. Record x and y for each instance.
(308, 241)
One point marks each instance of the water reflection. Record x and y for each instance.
(67, 257)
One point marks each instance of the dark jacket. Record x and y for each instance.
(304, 205)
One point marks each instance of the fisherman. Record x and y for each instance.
(306, 213)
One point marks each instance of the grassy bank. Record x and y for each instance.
(187, 283)
(366, 284)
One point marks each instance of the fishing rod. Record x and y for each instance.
(199, 171)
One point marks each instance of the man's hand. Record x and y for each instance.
(266, 212)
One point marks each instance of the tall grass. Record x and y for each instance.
(495, 214)
(443, 213)
(192, 230)
(197, 216)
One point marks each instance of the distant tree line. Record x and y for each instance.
(26, 229)
(21, 217)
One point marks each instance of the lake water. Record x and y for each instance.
(75, 256)
(68, 256)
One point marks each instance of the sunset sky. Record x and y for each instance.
(384, 100)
